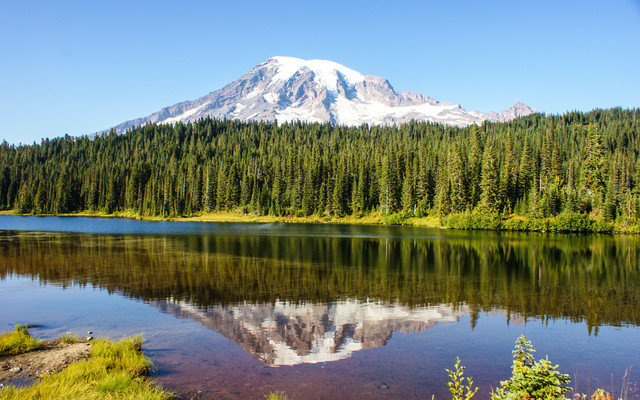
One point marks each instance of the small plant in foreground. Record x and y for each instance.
(601, 395)
(276, 396)
(68, 338)
(18, 341)
(456, 386)
(531, 379)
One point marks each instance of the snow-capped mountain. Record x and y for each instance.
(288, 89)
(286, 333)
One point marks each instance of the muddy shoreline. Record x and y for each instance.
(53, 356)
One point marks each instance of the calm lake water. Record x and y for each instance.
(327, 311)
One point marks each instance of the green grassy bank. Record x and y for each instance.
(565, 222)
(114, 370)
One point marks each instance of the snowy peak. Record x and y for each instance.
(328, 73)
(284, 333)
(289, 89)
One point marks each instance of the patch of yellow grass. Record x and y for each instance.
(115, 370)
(276, 396)
(373, 218)
(17, 342)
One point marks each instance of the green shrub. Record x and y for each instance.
(473, 220)
(456, 384)
(394, 219)
(573, 222)
(531, 379)
(68, 338)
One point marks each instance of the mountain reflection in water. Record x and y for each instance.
(595, 279)
(285, 333)
(298, 295)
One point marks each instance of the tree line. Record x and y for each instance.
(536, 167)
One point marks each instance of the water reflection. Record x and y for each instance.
(285, 333)
(291, 294)
(579, 278)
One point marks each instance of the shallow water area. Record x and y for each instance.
(327, 311)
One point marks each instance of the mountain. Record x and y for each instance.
(290, 89)
(284, 333)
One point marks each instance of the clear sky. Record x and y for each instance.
(78, 67)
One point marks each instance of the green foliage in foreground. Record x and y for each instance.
(276, 396)
(115, 370)
(532, 379)
(460, 391)
(69, 338)
(17, 342)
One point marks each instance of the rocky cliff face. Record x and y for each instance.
(288, 89)
(289, 334)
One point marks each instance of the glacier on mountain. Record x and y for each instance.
(288, 89)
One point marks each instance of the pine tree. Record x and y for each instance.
(443, 191)
(527, 169)
(408, 190)
(593, 174)
(388, 184)
(458, 180)
(309, 195)
(489, 183)
(475, 166)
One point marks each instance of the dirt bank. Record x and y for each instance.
(52, 357)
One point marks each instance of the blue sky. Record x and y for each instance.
(77, 67)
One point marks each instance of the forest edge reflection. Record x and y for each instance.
(572, 277)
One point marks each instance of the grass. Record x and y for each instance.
(17, 342)
(69, 338)
(464, 220)
(115, 370)
(373, 218)
(276, 396)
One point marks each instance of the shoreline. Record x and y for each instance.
(228, 217)
(544, 225)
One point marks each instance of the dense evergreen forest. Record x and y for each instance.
(577, 171)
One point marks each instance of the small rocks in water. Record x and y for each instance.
(15, 369)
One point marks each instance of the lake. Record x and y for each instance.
(234, 311)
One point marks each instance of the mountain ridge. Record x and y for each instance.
(288, 89)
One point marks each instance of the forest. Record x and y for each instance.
(574, 172)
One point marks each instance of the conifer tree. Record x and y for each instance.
(443, 191)
(489, 183)
(475, 166)
(388, 184)
(527, 169)
(458, 181)
(593, 174)
(408, 190)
